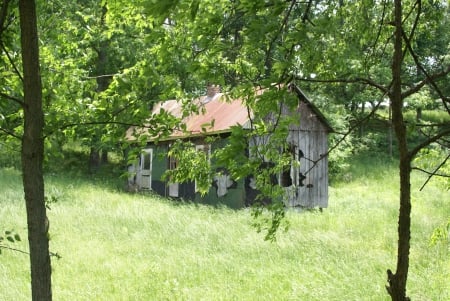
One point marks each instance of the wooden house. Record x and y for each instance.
(306, 185)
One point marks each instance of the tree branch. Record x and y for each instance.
(13, 249)
(428, 141)
(27, 253)
(429, 79)
(3, 14)
(11, 61)
(357, 80)
(15, 99)
(103, 123)
(305, 16)
(102, 76)
(69, 125)
(276, 36)
(9, 133)
(434, 173)
(154, 129)
(344, 135)
(432, 124)
(380, 27)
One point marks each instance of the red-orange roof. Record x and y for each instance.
(216, 114)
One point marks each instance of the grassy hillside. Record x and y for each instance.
(118, 246)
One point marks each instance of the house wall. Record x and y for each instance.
(311, 137)
(159, 167)
(235, 194)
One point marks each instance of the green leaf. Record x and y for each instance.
(10, 238)
(194, 9)
(17, 237)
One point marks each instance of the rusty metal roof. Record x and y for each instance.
(216, 114)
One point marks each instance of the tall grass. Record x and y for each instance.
(117, 246)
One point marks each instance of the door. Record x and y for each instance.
(146, 169)
(173, 187)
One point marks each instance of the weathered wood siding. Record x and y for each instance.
(310, 136)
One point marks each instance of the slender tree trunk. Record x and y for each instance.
(390, 142)
(97, 155)
(418, 114)
(32, 155)
(397, 281)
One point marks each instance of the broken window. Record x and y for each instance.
(223, 182)
(288, 174)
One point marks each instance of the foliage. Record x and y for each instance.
(441, 234)
(193, 165)
(270, 219)
(8, 236)
(114, 59)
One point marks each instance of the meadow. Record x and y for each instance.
(120, 246)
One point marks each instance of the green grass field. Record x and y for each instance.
(118, 246)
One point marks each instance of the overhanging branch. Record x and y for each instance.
(433, 173)
(3, 14)
(357, 80)
(429, 78)
(12, 98)
(13, 249)
(345, 135)
(428, 141)
(10, 133)
(11, 61)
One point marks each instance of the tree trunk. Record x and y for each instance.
(397, 281)
(390, 142)
(33, 154)
(94, 160)
(96, 157)
(104, 159)
(418, 114)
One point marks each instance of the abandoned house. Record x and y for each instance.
(307, 186)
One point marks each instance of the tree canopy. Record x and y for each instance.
(105, 63)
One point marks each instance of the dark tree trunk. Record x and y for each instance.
(33, 154)
(418, 114)
(96, 157)
(397, 281)
(104, 159)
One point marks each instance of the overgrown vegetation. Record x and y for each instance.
(119, 246)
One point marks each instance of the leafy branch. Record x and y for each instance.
(19, 74)
(428, 141)
(3, 14)
(12, 98)
(10, 133)
(11, 237)
(356, 80)
(429, 78)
